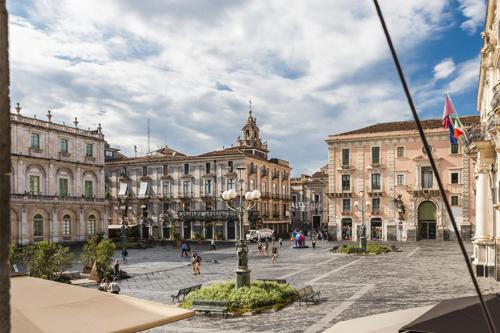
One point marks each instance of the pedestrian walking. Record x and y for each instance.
(314, 243)
(188, 249)
(259, 248)
(281, 242)
(124, 255)
(212, 245)
(197, 262)
(114, 287)
(193, 263)
(266, 247)
(116, 269)
(274, 251)
(184, 252)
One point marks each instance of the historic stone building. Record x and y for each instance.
(484, 147)
(310, 200)
(168, 191)
(383, 174)
(57, 181)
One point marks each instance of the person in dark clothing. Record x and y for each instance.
(124, 255)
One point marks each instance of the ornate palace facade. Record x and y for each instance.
(57, 181)
(381, 173)
(167, 191)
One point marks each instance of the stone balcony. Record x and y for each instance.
(16, 197)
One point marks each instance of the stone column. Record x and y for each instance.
(24, 233)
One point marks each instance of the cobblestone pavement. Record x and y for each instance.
(351, 286)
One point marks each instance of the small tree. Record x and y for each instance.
(15, 254)
(100, 251)
(47, 260)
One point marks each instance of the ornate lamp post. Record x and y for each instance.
(362, 208)
(242, 271)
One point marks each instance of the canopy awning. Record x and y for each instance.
(143, 189)
(123, 189)
(46, 306)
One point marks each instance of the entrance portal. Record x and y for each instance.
(376, 228)
(316, 222)
(231, 230)
(427, 220)
(347, 229)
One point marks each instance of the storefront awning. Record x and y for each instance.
(123, 189)
(143, 189)
(39, 305)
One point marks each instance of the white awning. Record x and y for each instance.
(123, 189)
(143, 189)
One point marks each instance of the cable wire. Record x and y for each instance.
(486, 313)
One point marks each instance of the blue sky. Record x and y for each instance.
(310, 68)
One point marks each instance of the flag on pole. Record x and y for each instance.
(451, 121)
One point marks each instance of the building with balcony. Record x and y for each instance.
(57, 181)
(483, 147)
(168, 191)
(310, 200)
(382, 172)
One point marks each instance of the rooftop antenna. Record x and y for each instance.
(149, 140)
(135, 150)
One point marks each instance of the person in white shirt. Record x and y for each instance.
(114, 287)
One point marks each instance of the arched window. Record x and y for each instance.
(66, 225)
(91, 224)
(38, 225)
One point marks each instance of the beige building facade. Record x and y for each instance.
(381, 175)
(57, 181)
(484, 148)
(169, 192)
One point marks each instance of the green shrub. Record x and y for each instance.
(259, 296)
(47, 260)
(370, 249)
(15, 254)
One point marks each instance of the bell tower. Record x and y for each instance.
(250, 141)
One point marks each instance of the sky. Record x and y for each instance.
(311, 68)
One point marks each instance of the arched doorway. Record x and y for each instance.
(346, 229)
(427, 215)
(376, 228)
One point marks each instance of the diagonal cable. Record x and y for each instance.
(434, 168)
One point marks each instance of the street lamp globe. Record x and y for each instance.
(249, 196)
(225, 195)
(256, 194)
(232, 194)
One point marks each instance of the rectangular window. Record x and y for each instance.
(166, 207)
(346, 183)
(187, 206)
(38, 227)
(375, 155)
(346, 205)
(208, 187)
(63, 187)
(165, 170)
(230, 166)
(63, 146)
(144, 171)
(208, 205)
(166, 188)
(376, 205)
(400, 180)
(454, 178)
(230, 184)
(124, 172)
(89, 150)
(35, 185)
(89, 193)
(454, 200)
(375, 181)
(316, 198)
(400, 152)
(454, 148)
(345, 156)
(186, 169)
(186, 188)
(66, 227)
(207, 168)
(427, 176)
(35, 140)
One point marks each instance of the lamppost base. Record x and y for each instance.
(242, 277)
(362, 243)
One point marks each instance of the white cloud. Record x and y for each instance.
(444, 69)
(310, 68)
(474, 11)
(467, 76)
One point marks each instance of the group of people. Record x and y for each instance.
(263, 248)
(113, 286)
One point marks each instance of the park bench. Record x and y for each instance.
(307, 294)
(334, 249)
(183, 292)
(211, 306)
(281, 281)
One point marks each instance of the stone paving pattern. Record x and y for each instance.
(351, 286)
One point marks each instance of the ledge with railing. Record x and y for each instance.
(44, 197)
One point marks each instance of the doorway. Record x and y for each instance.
(231, 230)
(316, 222)
(376, 229)
(427, 220)
(346, 229)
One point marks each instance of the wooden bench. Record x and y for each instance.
(282, 281)
(307, 294)
(211, 306)
(183, 292)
